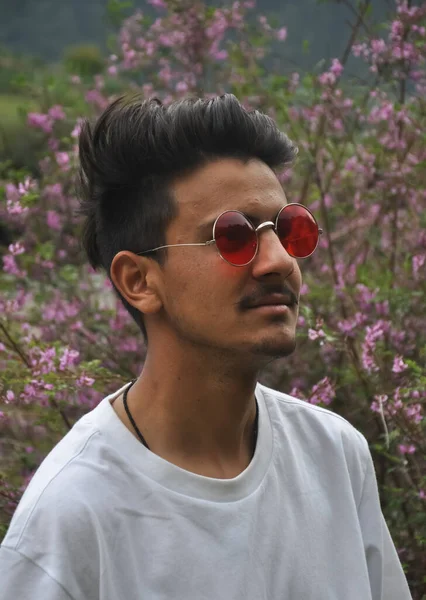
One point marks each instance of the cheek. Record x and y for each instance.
(206, 288)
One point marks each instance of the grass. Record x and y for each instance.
(10, 106)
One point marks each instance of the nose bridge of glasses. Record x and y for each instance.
(265, 225)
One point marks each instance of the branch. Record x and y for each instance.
(359, 16)
(355, 29)
(15, 346)
(25, 360)
(402, 91)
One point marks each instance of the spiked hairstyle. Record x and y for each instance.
(134, 151)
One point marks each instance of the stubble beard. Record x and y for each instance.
(274, 349)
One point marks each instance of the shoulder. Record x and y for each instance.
(60, 494)
(314, 427)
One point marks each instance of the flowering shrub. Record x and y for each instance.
(65, 341)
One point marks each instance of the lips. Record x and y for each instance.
(274, 300)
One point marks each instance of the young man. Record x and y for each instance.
(195, 481)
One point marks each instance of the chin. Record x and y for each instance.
(278, 347)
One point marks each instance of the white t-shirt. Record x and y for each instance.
(105, 518)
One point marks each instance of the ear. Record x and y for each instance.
(138, 280)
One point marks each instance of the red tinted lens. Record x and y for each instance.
(297, 230)
(235, 238)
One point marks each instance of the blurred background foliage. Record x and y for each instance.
(43, 42)
(56, 55)
(46, 27)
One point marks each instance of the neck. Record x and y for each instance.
(199, 417)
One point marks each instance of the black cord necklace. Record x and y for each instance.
(135, 427)
(142, 439)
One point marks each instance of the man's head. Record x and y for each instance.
(153, 176)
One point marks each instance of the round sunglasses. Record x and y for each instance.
(237, 239)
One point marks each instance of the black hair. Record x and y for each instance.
(130, 156)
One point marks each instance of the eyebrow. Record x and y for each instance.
(208, 224)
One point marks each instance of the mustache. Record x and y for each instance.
(267, 290)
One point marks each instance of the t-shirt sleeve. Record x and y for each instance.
(22, 578)
(387, 578)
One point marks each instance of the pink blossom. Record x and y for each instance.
(95, 97)
(378, 46)
(53, 144)
(53, 220)
(220, 55)
(414, 413)
(181, 86)
(26, 186)
(327, 78)
(166, 40)
(397, 30)
(373, 335)
(149, 48)
(382, 112)
(351, 163)
(45, 361)
(360, 49)
(157, 3)
(338, 125)
(43, 122)
(379, 401)
(77, 128)
(129, 345)
(84, 380)
(217, 28)
(365, 296)
(399, 365)
(147, 89)
(12, 193)
(382, 308)
(349, 325)
(56, 113)
(264, 23)
(10, 266)
(165, 74)
(63, 159)
(68, 358)
(112, 70)
(10, 396)
(54, 192)
(281, 34)
(418, 261)
(323, 392)
(16, 249)
(313, 334)
(403, 449)
(336, 67)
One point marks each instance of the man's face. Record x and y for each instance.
(206, 300)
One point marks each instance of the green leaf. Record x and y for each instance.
(46, 250)
(69, 273)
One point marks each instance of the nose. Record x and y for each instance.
(271, 255)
